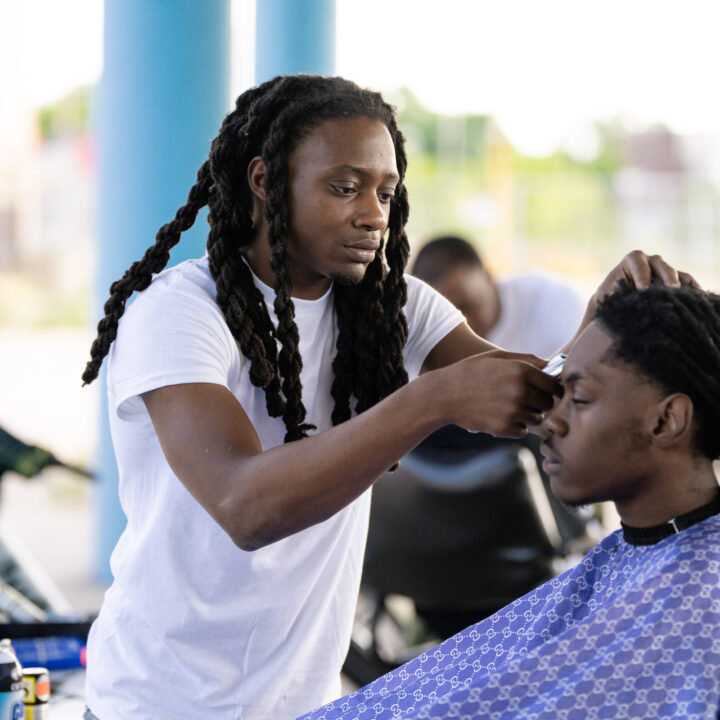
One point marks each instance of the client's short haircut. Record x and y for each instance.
(672, 335)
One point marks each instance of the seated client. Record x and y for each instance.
(634, 630)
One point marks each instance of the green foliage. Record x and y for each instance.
(546, 201)
(575, 206)
(68, 116)
(437, 135)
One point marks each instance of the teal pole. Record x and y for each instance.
(160, 101)
(294, 36)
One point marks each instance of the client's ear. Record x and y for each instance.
(673, 420)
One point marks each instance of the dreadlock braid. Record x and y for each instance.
(381, 295)
(139, 275)
(270, 121)
(368, 348)
(673, 336)
(231, 229)
(245, 311)
(344, 363)
(395, 289)
(274, 153)
(362, 325)
(289, 360)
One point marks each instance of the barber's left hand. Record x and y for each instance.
(640, 269)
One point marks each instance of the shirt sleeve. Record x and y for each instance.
(430, 317)
(167, 337)
(539, 313)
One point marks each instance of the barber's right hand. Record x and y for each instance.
(498, 392)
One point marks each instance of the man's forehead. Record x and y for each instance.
(589, 355)
(358, 142)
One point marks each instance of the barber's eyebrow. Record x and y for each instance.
(364, 171)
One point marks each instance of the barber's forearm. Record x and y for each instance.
(260, 496)
(291, 487)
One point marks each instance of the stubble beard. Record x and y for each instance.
(346, 280)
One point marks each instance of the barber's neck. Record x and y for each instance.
(305, 286)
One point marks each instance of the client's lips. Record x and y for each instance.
(551, 458)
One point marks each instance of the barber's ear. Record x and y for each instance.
(256, 178)
(673, 420)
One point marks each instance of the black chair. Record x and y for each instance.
(463, 527)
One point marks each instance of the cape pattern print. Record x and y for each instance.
(630, 632)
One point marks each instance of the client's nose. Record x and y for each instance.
(552, 422)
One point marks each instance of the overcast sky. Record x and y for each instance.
(544, 68)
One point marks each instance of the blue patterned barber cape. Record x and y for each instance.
(631, 632)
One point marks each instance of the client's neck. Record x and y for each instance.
(675, 490)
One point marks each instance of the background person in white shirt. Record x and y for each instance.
(529, 312)
(534, 312)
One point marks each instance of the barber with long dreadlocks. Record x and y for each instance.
(257, 393)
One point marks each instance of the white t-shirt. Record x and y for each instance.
(193, 627)
(539, 313)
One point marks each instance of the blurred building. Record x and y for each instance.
(16, 138)
(667, 192)
(47, 186)
(576, 214)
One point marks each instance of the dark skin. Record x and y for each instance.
(472, 290)
(340, 183)
(616, 435)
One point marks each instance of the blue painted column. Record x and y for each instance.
(294, 36)
(161, 99)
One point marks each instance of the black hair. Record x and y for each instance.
(443, 254)
(672, 335)
(270, 121)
